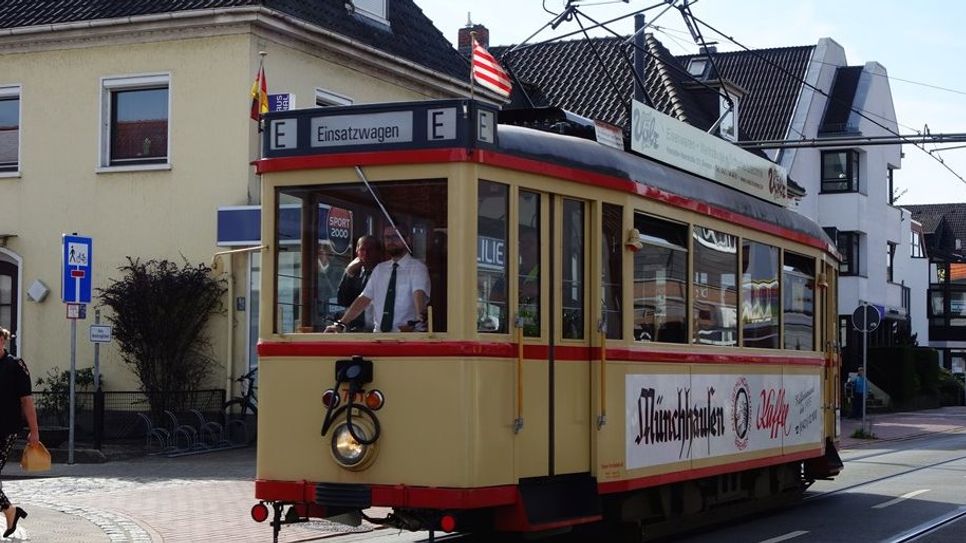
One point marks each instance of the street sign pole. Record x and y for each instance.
(865, 356)
(73, 371)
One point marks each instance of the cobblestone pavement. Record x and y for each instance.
(208, 497)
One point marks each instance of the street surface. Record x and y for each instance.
(892, 489)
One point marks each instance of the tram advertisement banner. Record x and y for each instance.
(678, 417)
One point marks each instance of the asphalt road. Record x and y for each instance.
(889, 493)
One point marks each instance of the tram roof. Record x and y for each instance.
(589, 155)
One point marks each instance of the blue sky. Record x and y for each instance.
(921, 44)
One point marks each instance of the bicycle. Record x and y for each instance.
(238, 408)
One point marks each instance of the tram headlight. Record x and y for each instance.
(348, 452)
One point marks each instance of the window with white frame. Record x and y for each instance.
(325, 98)
(9, 129)
(134, 120)
(374, 9)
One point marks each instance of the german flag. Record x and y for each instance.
(259, 95)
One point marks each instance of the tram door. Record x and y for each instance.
(570, 325)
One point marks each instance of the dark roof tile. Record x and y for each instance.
(412, 35)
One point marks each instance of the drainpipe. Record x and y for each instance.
(230, 350)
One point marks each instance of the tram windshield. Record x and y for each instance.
(327, 235)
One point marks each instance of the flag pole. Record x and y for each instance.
(472, 53)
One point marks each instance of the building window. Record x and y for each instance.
(9, 129)
(848, 245)
(907, 299)
(135, 113)
(324, 98)
(918, 250)
(729, 117)
(373, 9)
(890, 185)
(840, 171)
(890, 261)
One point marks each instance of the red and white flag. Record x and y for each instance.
(488, 73)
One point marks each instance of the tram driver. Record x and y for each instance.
(398, 290)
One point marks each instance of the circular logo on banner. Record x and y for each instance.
(741, 412)
(340, 229)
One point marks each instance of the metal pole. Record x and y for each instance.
(98, 393)
(73, 369)
(865, 354)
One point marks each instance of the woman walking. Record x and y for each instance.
(16, 411)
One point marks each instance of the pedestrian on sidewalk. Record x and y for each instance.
(16, 411)
(858, 392)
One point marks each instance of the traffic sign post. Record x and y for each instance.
(77, 258)
(865, 318)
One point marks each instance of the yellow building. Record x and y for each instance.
(129, 122)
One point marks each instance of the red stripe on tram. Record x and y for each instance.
(475, 349)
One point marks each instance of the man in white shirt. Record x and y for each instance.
(398, 290)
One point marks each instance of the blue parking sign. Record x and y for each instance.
(77, 269)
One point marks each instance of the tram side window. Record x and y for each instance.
(317, 232)
(798, 278)
(611, 269)
(760, 300)
(661, 281)
(572, 275)
(715, 287)
(529, 264)
(491, 263)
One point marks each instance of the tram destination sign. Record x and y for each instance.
(380, 127)
(663, 138)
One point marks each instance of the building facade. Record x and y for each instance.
(129, 122)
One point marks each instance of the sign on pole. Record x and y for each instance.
(866, 318)
(76, 270)
(101, 333)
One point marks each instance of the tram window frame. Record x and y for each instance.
(419, 204)
(798, 272)
(661, 241)
(573, 278)
(529, 247)
(612, 270)
(760, 295)
(710, 270)
(492, 241)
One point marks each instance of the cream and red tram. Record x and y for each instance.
(608, 338)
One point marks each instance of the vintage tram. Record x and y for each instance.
(607, 338)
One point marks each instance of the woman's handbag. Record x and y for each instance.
(35, 457)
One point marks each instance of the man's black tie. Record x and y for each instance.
(387, 308)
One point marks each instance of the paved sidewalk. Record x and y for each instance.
(899, 426)
(208, 497)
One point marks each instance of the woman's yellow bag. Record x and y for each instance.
(35, 457)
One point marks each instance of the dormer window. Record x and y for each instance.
(728, 128)
(373, 9)
(697, 66)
